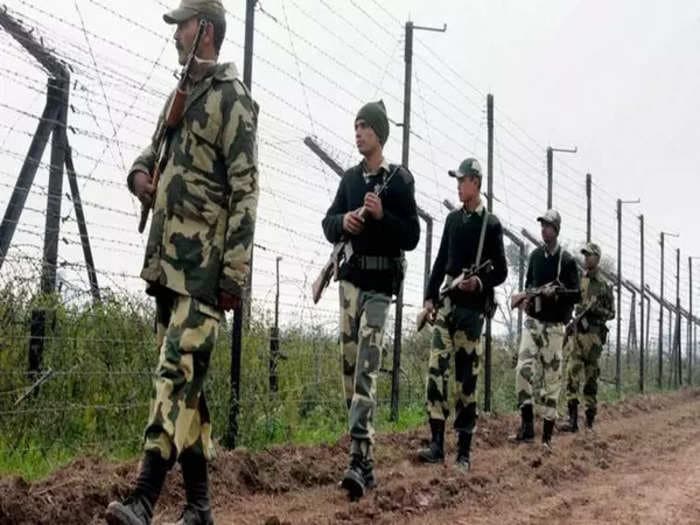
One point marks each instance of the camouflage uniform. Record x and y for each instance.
(538, 372)
(362, 318)
(199, 244)
(186, 330)
(539, 367)
(470, 237)
(198, 252)
(371, 275)
(586, 345)
(457, 332)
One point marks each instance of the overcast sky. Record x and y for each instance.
(618, 80)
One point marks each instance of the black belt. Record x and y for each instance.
(375, 262)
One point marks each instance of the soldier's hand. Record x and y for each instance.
(470, 285)
(353, 223)
(524, 304)
(428, 305)
(143, 187)
(373, 205)
(228, 301)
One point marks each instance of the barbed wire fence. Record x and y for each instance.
(93, 383)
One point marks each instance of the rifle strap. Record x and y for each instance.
(393, 172)
(559, 263)
(480, 248)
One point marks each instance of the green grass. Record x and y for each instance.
(96, 402)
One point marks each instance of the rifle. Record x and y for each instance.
(172, 119)
(341, 253)
(579, 319)
(551, 288)
(424, 316)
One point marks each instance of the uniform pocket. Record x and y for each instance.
(203, 144)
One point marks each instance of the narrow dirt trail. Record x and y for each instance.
(641, 466)
(648, 471)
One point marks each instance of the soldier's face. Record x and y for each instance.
(366, 139)
(549, 233)
(184, 38)
(590, 261)
(468, 188)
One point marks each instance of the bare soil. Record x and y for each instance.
(642, 465)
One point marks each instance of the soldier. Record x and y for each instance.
(380, 228)
(197, 259)
(585, 342)
(553, 273)
(471, 236)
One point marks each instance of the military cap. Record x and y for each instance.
(551, 217)
(591, 248)
(468, 166)
(211, 9)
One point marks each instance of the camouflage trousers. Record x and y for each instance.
(186, 331)
(538, 372)
(456, 333)
(362, 318)
(584, 353)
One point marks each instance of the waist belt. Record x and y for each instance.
(375, 262)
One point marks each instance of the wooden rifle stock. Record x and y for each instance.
(173, 117)
(554, 288)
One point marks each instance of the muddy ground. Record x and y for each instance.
(642, 465)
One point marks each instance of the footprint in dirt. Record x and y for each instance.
(274, 520)
(536, 463)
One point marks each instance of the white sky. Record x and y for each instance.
(619, 80)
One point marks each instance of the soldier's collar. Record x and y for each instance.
(479, 209)
(383, 166)
(226, 72)
(554, 251)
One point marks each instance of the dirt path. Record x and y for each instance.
(646, 469)
(642, 466)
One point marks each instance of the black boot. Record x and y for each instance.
(197, 511)
(572, 424)
(526, 432)
(435, 453)
(464, 443)
(368, 473)
(137, 509)
(354, 478)
(590, 417)
(547, 429)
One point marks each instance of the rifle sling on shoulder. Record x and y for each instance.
(480, 248)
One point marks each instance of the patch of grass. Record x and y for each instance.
(96, 401)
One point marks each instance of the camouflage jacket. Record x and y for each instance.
(593, 285)
(203, 220)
